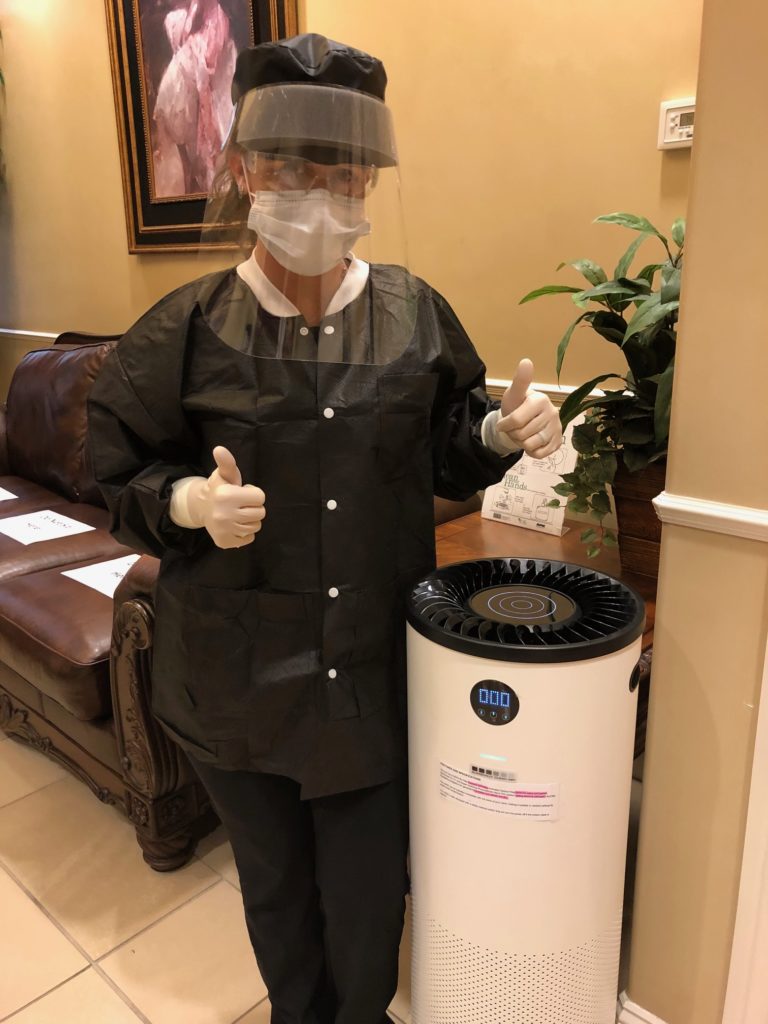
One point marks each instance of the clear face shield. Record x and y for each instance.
(308, 188)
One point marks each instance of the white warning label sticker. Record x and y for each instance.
(530, 801)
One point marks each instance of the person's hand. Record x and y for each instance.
(232, 514)
(528, 418)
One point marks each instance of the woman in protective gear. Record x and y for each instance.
(275, 433)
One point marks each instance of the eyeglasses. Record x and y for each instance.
(295, 174)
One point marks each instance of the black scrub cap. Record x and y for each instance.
(309, 59)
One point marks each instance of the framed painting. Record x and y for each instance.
(172, 64)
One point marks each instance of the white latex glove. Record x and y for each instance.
(528, 418)
(232, 514)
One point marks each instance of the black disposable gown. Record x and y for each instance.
(256, 665)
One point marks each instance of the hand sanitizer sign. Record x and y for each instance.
(524, 496)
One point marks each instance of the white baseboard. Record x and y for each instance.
(628, 1012)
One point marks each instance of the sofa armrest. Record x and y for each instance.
(4, 467)
(163, 796)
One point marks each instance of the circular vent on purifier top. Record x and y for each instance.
(514, 609)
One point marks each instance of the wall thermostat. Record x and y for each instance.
(676, 123)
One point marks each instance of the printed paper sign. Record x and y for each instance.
(6, 495)
(525, 800)
(37, 526)
(523, 494)
(104, 576)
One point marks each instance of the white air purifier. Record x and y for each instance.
(522, 679)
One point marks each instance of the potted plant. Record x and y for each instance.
(623, 440)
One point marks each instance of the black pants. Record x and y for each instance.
(323, 884)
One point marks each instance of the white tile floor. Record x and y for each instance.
(91, 935)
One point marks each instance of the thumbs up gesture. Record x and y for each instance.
(230, 512)
(528, 418)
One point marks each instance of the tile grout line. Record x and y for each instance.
(157, 920)
(41, 907)
(96, 963)
(42, 995)
(45, 785)
(250, 1010)
(91, 963)
(118, 991)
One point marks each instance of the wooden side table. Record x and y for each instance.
(471, 537)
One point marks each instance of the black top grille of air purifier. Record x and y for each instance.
(515, 609)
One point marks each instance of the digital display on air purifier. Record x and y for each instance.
(494, 702)
(493, 698)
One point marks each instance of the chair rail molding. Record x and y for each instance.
(714, 516)
(37, 335)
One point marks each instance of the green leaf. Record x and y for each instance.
(571, 407)
(649, 272)
(564, 343)
(610, 288)
(678, 232)
(608, 325)
(630, 220)
(550, 289)
(634, 434)
(584, 438)
(588, 535)
(601, 502)
(670, 289)
(622, 267)
(579, 505)
(609, 539)
(593, 272)
(648, 314)
(663, 404)
(563, 489)
(554, 503)
(593, 551)
(602, 470)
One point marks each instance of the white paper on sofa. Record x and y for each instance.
(103, 576)
(33, 527)
(6, 495)
(522, 495)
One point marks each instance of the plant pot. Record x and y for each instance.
(639, 526)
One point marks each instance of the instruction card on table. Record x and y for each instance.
(522, 497)
(104, 576)
(46, 525)
(6, 495)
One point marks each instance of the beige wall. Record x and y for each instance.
(712, 614)
(518, 123)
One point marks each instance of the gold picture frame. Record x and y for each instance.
(169, 128)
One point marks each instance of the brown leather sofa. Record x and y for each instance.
(74, 664)
(74, 680)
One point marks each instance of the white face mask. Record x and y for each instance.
(307, 232)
